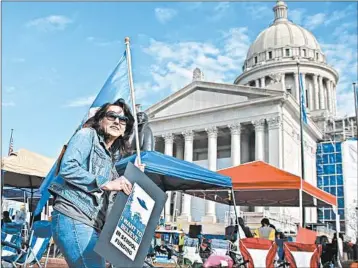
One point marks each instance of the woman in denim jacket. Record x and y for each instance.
(87, 175)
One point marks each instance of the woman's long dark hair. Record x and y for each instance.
(121, 145)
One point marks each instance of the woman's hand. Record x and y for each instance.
(119, 184)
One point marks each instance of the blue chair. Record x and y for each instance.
(40, 237)
(10, 243)
(12, 228)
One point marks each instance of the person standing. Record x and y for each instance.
(86, 177)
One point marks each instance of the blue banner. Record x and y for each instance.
(116, 86)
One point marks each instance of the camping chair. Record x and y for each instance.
(302, 255)
(220, 247)
(39, 241)
(258, 252)
(9, 243)
(191, 250)
(12, 228)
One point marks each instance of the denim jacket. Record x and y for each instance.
(85, 167)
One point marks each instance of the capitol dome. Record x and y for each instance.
(272, 63)
(284, 40)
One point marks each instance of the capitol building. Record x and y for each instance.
(218, 125)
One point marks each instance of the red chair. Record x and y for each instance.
(258, 252)
(302, 255)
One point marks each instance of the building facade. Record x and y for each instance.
(219, 125)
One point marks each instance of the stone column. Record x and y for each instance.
(304, 88)
(310, 97)
(210, 214)
(259, 145)
(263, 84)
(334, 93)
(154, 142)
(321, 93)
(188, 156)
(329, 95)
(283, 83)
(179, 145)
(245, 146)
(257, 83)
(179, 148)
(235, 143)
(316, 91)
(275, 141)
(168, 150)
(235, 147)
(297, 89)
(259, 139)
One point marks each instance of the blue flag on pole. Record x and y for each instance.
(116, 86)
(303, 105)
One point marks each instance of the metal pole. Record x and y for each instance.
(302, 209)
(238, 227)
(356, 110)
(130, 80)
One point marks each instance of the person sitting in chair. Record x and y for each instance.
(265, 231)
(5, 217)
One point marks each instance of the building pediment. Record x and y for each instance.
(200, 95)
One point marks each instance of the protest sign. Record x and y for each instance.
(130, 226)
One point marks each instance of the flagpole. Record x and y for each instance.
(356, 110)
(302, 209)
(130, 80)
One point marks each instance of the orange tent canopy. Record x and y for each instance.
(259, 177)
(260, 184)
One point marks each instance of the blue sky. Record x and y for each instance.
(56, 56)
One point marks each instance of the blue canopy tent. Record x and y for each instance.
(172, 174)
(20, 193)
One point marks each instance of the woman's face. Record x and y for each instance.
(114, 122)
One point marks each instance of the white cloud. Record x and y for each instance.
(50, 23)
(220, 10)
(174, 62)
(80, 102)
(338, 15)
(258, 10)
(8, 104)
(164, 15)
(315, 20)
(296, 15)
(343, 55)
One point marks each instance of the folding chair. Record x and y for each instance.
(191, 250)
(9, 243)
(258, 252)
(39, 241)
(12, 228)
(219, 247)
(302, 255)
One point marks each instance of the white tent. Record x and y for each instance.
(25, 169)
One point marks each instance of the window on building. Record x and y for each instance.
(304, 52)
(329, 177)
(255, 60)
(270, 55)
(289, 90)
(317, 56)
(287, 52)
